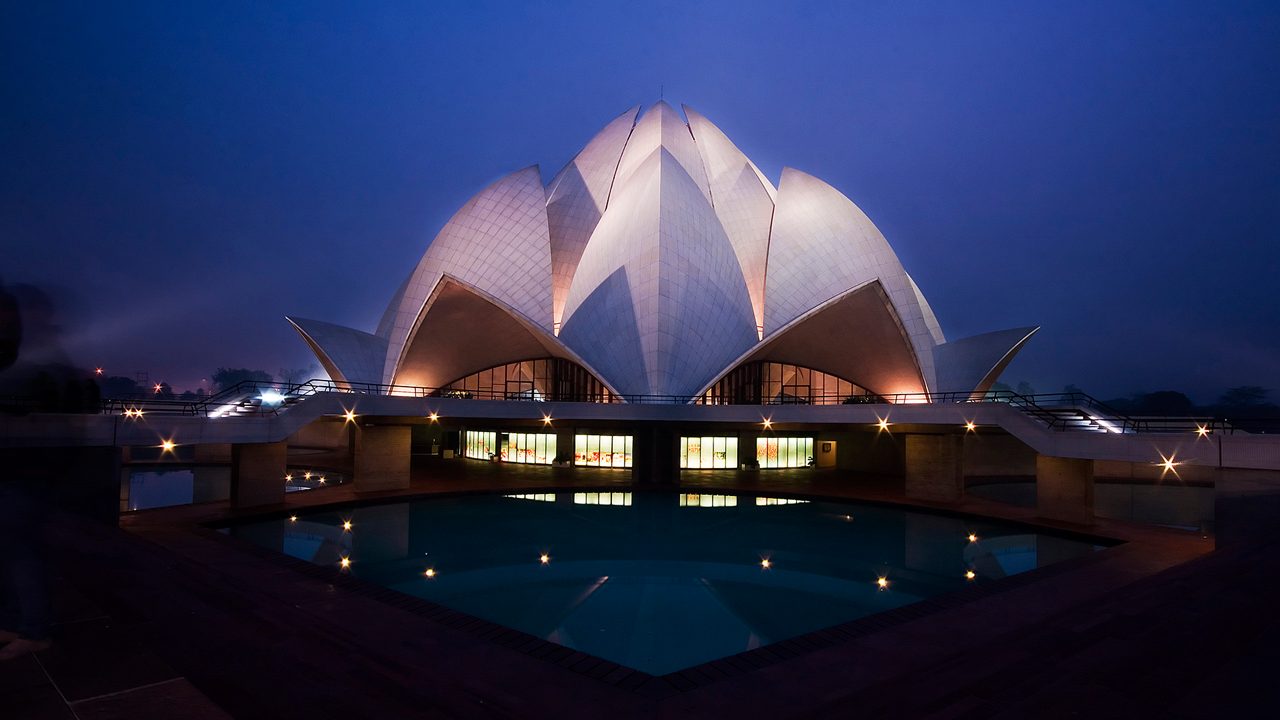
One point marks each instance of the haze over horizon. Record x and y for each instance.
(181, 177)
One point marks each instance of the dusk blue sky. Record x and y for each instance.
(182, 175)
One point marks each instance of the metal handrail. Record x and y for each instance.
(1057, 411)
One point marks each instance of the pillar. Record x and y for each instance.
(381, 457)
(564, 446)
(655, 456)
(1064, 489)
(747, 449)
(257, 473)
(935, 468)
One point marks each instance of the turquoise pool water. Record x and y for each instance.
(661, 581)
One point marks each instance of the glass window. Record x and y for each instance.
(784, 452)
(603, 450)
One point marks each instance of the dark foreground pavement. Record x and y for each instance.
(160, 620)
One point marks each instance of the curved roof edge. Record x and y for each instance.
(867, 304)
(346, 354)
(474, 332)
(974, 363)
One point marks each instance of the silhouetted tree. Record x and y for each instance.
(224, 378)
(1024, 388)
(1244, 396)
(117, 387)
(293, 376)
(1163, 402)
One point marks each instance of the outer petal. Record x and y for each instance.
(975, 363)
(821, 246)
(498, 243)
(347, 355)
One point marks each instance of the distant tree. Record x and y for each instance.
(1244, 396)
(187, 396)
(1163, 402)
(1001, 387)
(1024, 388)
(224, 378)
(116, 387)
(293, 376)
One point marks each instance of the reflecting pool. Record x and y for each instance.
(660, 581)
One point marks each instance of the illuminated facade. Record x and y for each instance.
(661, 262)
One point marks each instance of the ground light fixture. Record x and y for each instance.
(430, 573)
(970, 575)
(167, 445)
(345, 562)
(544, 558)
(766, 563)
(882, 582)
(970, 426)
(973, 537)
(1202, 430)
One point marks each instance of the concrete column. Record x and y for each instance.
(564, 445)
(382, 457)
(747, 447)
(655, 456)
(257, 473)
(935, 468)
(1064, 489)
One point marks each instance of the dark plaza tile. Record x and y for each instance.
(97, 658)
(172, 699)
(21, 674)
(38, 702)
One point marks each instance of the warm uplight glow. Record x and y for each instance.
(431, 572)
(970, 575)
(973, 537)
(546, 419)
(349, 415)
(767, 423)
(970, 426)
(434, 417)
(167, 445)
(1202, 430)
(132, 413)
(544, 558)
(321, 479)
(293, 518)
(882, 582)
(766, 563)
(1167, 465)
(882, 423)
(306, 475)
(345, 562)
(346, 525)
(288, 478)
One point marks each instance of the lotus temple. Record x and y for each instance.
(660, 262)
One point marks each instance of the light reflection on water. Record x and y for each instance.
(147, 488)
(658, 581)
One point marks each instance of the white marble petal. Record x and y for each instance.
(577, 197)
(690, 304)
(499, 243)
(743, 202)
(822, 245)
